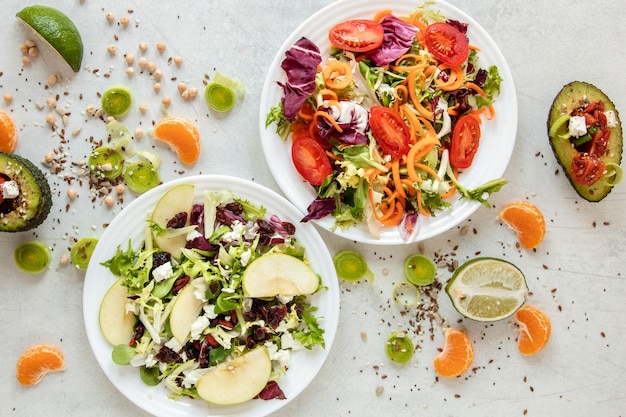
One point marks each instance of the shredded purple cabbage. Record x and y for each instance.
(397, 40)
(319, 208)
(300, 65)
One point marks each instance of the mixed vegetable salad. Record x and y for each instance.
(223, 236)
(383, 126)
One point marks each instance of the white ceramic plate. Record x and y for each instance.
(129, 224)
(498, 135)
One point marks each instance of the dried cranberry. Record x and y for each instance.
(167, 355)
(178, 221)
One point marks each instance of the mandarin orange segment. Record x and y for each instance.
(8, 133)
(182, 135)
(457, 355)
(527, 221)
(36, 361)
(535, 329)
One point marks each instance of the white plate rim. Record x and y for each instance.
(500, 133)
(305, 364)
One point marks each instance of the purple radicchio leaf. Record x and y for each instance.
(200, 242)
(197, 215)
(353, 120)
(319, 208)
(462, 27)
(397, 40)
(300, 65)
(271, 391)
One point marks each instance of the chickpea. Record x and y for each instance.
(143, 62)
(158, 74)
(124, 21)
(143, 47)
(108, 201)
(119, 189)
(112, 49)
(8, 98)
(143, 107)
(138, 134)
(110, 17)
(166, 101)
(72, 193)
(161, 46)
(52, 79)
(130, 59)
(50, 119)
(130, 71)
(178, 60)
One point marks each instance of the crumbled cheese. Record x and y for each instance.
(577, 126)
(235, 234)
(611, 120)
(10, 190)
(174, 344)
(193, 235)
(163, 272)
(200, 288)
(209, 311)
(198, 326)
(282, 358)
(288, 342)
(245, 257)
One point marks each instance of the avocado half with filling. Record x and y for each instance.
(576, 142)
(25, 198)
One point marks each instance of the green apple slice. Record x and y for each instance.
(116, 324)
(237, 381)
(279, 274)
(176, 200)
(185, 311)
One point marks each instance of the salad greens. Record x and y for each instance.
(363, 186)
(225, 235)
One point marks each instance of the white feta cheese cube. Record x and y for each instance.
(577, 126)
(162, 272)
(10, 190)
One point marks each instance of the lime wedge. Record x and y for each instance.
(487, 289)
(57, 30)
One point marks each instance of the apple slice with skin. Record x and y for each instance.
(116, 324)
(237, 381)
(185, 311)
(176, 200)
(279, 274)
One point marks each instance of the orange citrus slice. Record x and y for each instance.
(8, 133)
(535, 329)
(527, 221)
(36, 361)
(457, 354)
(182, 135)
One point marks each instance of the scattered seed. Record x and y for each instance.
(124, 21)
(8, 98)
(181, 87)
(379, 390)
(193, 92)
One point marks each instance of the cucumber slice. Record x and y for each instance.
(141, 176)
(81, 252)
(32, 257)
(420, 270)
(351, 266)
(399, 348)
(106, 162)
(117, 100)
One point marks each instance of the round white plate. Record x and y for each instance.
(129, 224)
(498, 135)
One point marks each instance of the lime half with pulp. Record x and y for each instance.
(487, 289)
(57, 30)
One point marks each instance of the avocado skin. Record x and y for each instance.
(33, 205)
(570, 97)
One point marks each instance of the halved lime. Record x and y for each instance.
(57, 30)
(487, 289)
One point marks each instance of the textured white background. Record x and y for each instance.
(576, 275)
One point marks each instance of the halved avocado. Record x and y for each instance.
(31, 207)
(579, 94)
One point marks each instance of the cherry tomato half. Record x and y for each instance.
(587, 169)
(310, 160)
(446, 43)
(357, 35)
(465, 141)
(390, 131)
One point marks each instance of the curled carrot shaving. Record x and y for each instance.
(299, 130)
(417, 152)
(420, 205)
(397, 215)
(449, 193)
(333, 157)
(454, 110)
(473, 47)
(413, 95)
(476, 88)
(326, 116)
(428, 169)
(410, 189)
(306, 112)
(395, 175)
(455, 80)
(337, 74)
(328, 94)
(419, 63)
(380, 15)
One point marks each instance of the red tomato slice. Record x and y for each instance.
(357, 35)
(310, 160)
(587, 169)
(446, 43)
(390, 131)
(465, 141)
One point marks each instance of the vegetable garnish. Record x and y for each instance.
(81, 252)
(399, 347)
(216, 315)
(351, 266)
(221, 93)
(420, 270)
(397, 110)
(106, 162)
(32, 257)
(406, 294)
(117, 100)
(141, 176)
